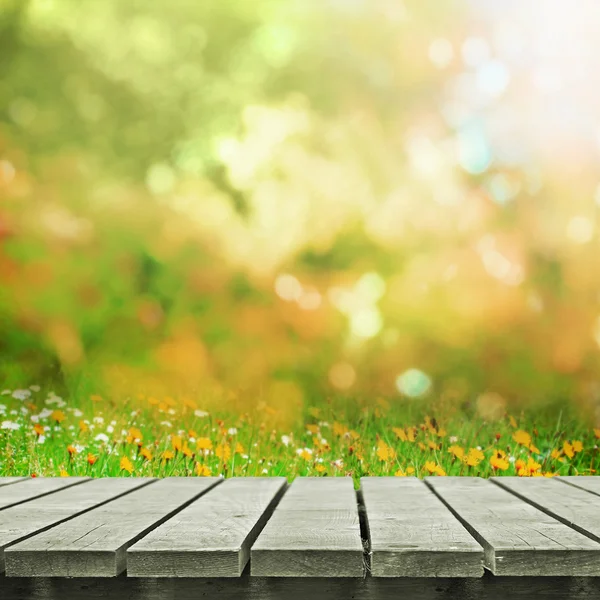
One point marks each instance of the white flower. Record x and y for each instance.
(166, 424)
(285, 440)
(453, 439)
(2, 407)
(45, 413)
(21, 394)
(99, 420)
(265, 471)
(201, 413)
(192, 440)
(79, 448)
(5, 392)
(35, 388)
(323, 441)
(10, 425)
(511, 459)
(77, 413)
(41, 439)
(232, 431)
(101, 437)
(339, 463)
(110, 429)
(35, 418)
(323, 424)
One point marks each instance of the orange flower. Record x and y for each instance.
(83, 426)
(597, 433)
(39, 430)
(91, 459)
(185, 450)
(126, 465)
(71, 450)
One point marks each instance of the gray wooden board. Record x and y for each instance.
(11, 480)
(487, 587)
(95, 543)
(518, 539)
(212, 536)
(314, 532)
(11, 495)
(413, 534)
(589, 483)
(23, 520)
(575, 507)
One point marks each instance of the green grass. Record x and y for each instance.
(151, 437)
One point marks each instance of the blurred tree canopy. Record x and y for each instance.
(285, 198)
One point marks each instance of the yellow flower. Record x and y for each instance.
(186, 451)
(432, 468)
(202, 470)
(83, 426)
(312, 428)
(457, 451)
(384, 452)
(527, 469)
(126, 465)
(597, 433)
(58, 416)
(522, 437)
(442, 433)
(400, 434)
(549, 474)
(400, 473)
(63, 473)
(577, 446)
(39, 430)
(204, 444)
(177, 443)
(145, 452)
(306, 455)
(556, 454)
(410, 470)
(239, 449)
(512, 421)
(568, 450)
(432, 445)
(320, 469)
(223, 451)
(168, 455)
(474, 457)
(339, 429)
(499, 463)
(134, 435)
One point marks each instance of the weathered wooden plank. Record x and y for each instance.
(95, 543)
(314, 532)
(278, 588)
(518, 539)
(24, 520)
(413, 534)
(573, 506)
(589, 483)
(11, 480)
(34, 488)
(211, 537)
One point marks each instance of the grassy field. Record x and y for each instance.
(43, 434)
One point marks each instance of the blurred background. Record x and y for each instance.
(281, 200)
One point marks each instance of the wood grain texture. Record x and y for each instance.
(314, 532)
(589, 483)
(24, 520)
(211, 537)
(413, 534)
(95, 543)
(573, 506)
(11, 480)
(273, 588)
(518, 538)
(11, 495)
